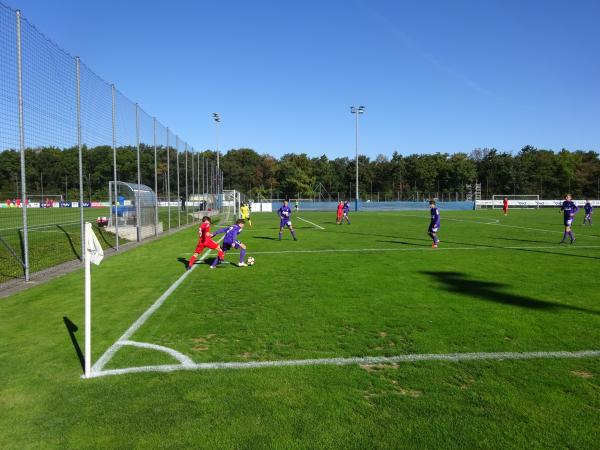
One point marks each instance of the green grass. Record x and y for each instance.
(488, 288)
(55, 236)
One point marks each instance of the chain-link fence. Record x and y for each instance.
(75, 149)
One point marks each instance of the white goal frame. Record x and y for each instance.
(516, 201)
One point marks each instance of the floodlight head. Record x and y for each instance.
(216, 117)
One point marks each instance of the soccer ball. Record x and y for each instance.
(250, 261)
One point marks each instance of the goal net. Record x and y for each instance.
(45, 201)
(516, 201)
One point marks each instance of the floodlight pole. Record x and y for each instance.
(356, 110)
(217, 119)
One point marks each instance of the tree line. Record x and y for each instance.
(530, 171)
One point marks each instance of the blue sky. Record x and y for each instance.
(434, 76)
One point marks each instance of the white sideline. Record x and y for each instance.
(425, 249)
(497, 223)
(453, 357)
(312, 223)
(38, 227)
(124, 339)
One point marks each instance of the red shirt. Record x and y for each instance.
(204, 231)
(505, 203)
(340, 208)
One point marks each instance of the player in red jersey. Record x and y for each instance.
(505, 206)
(205, 241)
(340, 212)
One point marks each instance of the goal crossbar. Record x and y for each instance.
(515, 201)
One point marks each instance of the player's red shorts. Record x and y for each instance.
(208, 243)
(339, 215)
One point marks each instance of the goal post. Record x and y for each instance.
(516, 201)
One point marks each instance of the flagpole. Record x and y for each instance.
(88, 304)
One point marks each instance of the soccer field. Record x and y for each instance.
(355, 336)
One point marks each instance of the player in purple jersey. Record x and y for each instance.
(588, 208)
(434, 225)
(569, 209)
(285, 220)
(231, 241)
(345, 210)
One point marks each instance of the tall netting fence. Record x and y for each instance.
(74, 149)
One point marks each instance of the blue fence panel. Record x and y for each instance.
(383, 206)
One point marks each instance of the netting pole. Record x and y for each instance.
(198, 176)
(155, 178)
(186, 183)
(114, 147)
(22, 150)
(168, 180)
(138, 209)
(178, 182)
(193, 187)
(82, 225)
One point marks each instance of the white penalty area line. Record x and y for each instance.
(365, 360)
(312, 223)
(124, 339)
(426, 249)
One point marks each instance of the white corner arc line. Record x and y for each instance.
(312, 223)
(365, 360)
(183, 359)
(108, 354)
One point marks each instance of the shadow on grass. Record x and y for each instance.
(404, 242)
(183, 261)
(73, 249)
(268, 238)
(520, 240)
(523, 249)
(328, 230)
(72, 328)
(6, 262)
(101, 232)
(491, 291)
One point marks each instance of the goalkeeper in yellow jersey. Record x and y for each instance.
(245, 212)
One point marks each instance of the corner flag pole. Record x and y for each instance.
(88, 305)
(93, 254)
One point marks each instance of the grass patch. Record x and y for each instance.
(373, 288)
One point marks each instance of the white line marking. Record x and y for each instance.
(498, 224)
(108, 354)
(37, 227)
(183, 359)
(312, 223)
(424, 249)
(454, 357)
